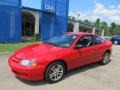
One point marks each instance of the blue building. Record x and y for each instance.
(18, 20)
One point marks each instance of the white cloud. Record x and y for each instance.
(84, 15)
(112, 15)
(79, 15)
(93, 18)
(100, 9)
(119, 6)
(112, 6)
(115, 19)
(105, 13)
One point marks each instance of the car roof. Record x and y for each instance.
(80, 33)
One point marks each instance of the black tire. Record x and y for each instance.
(115, 42)
(51, 73)
(106, 58)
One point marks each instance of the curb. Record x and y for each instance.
(5, 53)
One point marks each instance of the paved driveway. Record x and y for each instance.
(92, 77)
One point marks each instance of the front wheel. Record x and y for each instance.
(55, 72)
(106, 58)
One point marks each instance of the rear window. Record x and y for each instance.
(98, 40)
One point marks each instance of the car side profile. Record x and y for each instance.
(53, 58)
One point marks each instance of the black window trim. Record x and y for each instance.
(94, 37)
(85, 36)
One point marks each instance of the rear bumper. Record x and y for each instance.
(36, 73)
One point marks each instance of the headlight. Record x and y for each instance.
(28, 63)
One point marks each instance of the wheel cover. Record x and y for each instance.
(106, 58)
(115, 42)
(56, 72)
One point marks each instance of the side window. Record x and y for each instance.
(85, 41)
(98, 40)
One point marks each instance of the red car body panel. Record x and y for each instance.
(44, 54)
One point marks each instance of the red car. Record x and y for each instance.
(51, 59)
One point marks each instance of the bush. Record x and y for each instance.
(37, 37)
(30, 40)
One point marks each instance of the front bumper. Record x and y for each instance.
(27, 73)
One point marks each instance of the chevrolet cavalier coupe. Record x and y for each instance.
(53, 58)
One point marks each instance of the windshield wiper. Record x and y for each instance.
(51, 43)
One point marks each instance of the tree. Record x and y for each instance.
(69, 17)
(113, 28)
(117, 30)
(97, 23)
(104, 26)
(73, 18)
(87, 22)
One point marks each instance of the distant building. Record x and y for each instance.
(82, 27)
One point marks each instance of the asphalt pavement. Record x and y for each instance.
(91, 77)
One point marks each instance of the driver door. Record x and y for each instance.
(86, 53)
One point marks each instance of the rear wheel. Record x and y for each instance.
(116, 42)
(106, 58)
(55, 72)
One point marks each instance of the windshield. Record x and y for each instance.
(64, 40)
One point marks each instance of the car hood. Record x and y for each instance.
(37, 51)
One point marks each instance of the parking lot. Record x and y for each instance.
(91, 77)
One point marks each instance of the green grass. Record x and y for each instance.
(9, 48)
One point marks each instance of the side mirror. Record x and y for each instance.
(78, 46)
